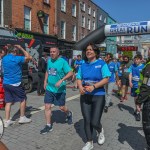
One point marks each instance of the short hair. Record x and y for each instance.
(138, 56)
(78, 55)
(54, 47)
(12, 49)
(110, 54)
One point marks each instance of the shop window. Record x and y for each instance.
(27, 18)
(46, 24)
(63, 5)
(63, 30)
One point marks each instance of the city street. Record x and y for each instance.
(122, 132)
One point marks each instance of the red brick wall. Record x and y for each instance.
(35, 5)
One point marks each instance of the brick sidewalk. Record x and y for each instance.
(122, 132)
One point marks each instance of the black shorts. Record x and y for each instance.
(124, 81)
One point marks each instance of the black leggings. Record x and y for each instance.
(92, 109)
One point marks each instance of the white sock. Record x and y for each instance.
(48, 124)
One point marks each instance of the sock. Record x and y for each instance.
(48, 124)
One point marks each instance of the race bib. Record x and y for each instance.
(52, 71)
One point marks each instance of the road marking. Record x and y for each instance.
(43, 107)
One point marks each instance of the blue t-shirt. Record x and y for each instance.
(112, 68)
(56, 70)
(119, 68)
(135, 71)
(79, 63)
(12, 66)
(91, 73)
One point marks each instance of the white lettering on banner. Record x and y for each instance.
(128, 28)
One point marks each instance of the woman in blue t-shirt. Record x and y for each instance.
(91, 78)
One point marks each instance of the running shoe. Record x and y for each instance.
(7, 123)
(106, 109)
(69, 118)
(137, 117)
(88, 146)
(24, 119)
(101, 137)
(46, 129)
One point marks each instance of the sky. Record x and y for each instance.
(125, 11)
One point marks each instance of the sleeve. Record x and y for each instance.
(105, 71)
(116, 68)
(66, 67)
(79, 76)
(130, 69)
(20, 59)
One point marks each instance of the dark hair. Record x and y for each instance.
(126, 57)
(110, 54)
(138, 56)
(95, 49)
(12, 49)
(78, 55)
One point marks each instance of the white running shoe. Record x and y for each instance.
(88, 146)
(24, 119)
(101, 137)
(7, 123)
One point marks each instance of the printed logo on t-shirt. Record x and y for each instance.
(52, 71)
(99, 66)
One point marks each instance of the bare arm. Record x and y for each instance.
(26, 54)
(130, 80)
(68, 75)
(45, 80)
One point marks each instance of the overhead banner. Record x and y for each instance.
(132, 28)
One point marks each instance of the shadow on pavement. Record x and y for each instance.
(132, 136)
(79, 127)
(58, 116)
(125, 107)
(29, 109)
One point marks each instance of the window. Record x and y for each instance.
(89, 10)
(46, 1)
(27, 18)
(46, 24)
(74, 33)
(89, 24)
(100, 17)
(1, 12)
(82, 36)
(93, 25)
(94, 13)
(82, 6)
(74, 10)
(105, 20)
(83, 21)
(63, 30)
(63, 5)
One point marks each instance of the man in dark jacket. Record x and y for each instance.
(42, 64)
(144, 97)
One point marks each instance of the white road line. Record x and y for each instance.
(43, 107)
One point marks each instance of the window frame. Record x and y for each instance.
(83, 21)
(63, 31)
(1, 14)
(46, 24)
(74, 33)
(63, 5)
(25, 19)
(74, 11)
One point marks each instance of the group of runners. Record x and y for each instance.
(95, 80)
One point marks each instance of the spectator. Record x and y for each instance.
(14, 92)
(42, 65)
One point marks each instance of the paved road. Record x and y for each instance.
(122, 132)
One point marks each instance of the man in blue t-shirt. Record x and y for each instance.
(14, 92)
(110, 85)
(58, 70)
(134, 77)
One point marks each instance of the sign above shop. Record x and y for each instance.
(40, 14)
(127, 48)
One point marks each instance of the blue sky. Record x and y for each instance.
(124, 11)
